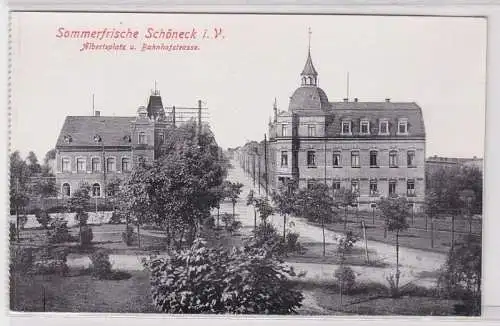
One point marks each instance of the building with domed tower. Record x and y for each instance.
(374, 148)
(96, 149)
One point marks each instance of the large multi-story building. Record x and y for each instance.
(96, 149)
(374, 148)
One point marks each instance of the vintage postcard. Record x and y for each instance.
(246, 164)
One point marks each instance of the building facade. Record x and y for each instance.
(435, 163)
(96, 149)
(374, 148)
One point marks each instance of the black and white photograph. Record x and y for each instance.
(246, 164)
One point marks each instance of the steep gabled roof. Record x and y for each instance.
(82, 129)
(155, 105)
(309, 67)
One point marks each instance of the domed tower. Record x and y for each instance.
(308, 96)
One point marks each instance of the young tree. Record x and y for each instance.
(395, 212)
(19, 186)
(345, 198)
(251, 201)
(315, 204)
(219, 195)
(345, 276)
(265, 210)
(432, 206)
(233, 191)
(78, 204)
(285, 200)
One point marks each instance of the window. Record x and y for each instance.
(311, 131)
(111, 164)
(393, 159)
(410, 188)
(161, 137)
(355, 159)
(310, 184)
(284, 158)
(284, 130)
(373, 159)
(355, 187)
(336, 187)
(336, 159)
(125, 164)
(66, 190)
(365, 127)
(96, 165)
(142, 138)
(373, 188)
(410, 156)
(392, 188)
(384, 127)
(96, 190)
(346, 127)
(311, 158)
(66, 165)
(402, 127)
(80, 165)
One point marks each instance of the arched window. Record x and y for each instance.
(96, 190)
(66, 190)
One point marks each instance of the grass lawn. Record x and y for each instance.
(82, 293)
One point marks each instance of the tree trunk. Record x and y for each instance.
(234, 214)
(138, 234)
(284, 227)
(345, 218)
(17, 224)
(397, 260)
(254, 219)
(324, 242)
(218, 213)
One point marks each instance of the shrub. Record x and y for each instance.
(59, 232)
(201, 279)
(86, 236)
(116, 218)
(345, 277)
(228, 220)
(393, 288)
(21, 259)
(50, 266)
(293, 244)
(100, 266)
(266, 236)
(128, 235)
(42, 217)
(12, 232)
(59, 253)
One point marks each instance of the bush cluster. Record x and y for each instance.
(50, 266)
(42, 217)
(116, 218)
(59, 232)
(247, 280)
(21, 259)
(346, 278)
(100, 266)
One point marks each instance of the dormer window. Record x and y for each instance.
(97, 139)
(127, 139)
(68, 139)
(346, 127)
(364, 127)
(383, 128)
(403, 127)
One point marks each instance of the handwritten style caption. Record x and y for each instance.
(149, 40)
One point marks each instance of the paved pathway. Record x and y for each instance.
(412, 261)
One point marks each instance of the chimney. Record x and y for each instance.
(97, 113)
(355, 99)
(346, 100)
(387, 100)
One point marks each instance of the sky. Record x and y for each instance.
(437, 62)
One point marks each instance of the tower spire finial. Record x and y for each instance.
(309, 45)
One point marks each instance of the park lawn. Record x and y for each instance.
(373, 299)
(82, 293)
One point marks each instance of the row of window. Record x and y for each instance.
(410, 187)
(364, 128)
(141, 138)
(95, 190)
(393, 159)
(81, 164)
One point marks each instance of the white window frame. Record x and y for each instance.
(373, 193)
(396, 156)
(107, 165)
(402, 122)
(358, 163)
(339, 153)
(313, 156)
(62, 189)
(139, 134)
(395, 187)
(129, 164)
(367, 123)
(92, 190)
(413, 191)
(376, 165)
(92, 164)
(414, 158)
(311, 130)
(349, 123)
(281, 159)
(284, 130)
(62, 164)
(381, 122)
(84, 164)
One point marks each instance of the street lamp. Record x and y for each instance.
(98, 140)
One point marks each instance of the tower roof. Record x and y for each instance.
(309, 67)
(155, 105)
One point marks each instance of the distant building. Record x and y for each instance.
(95, 149)
(374, 148)
(435, 162)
